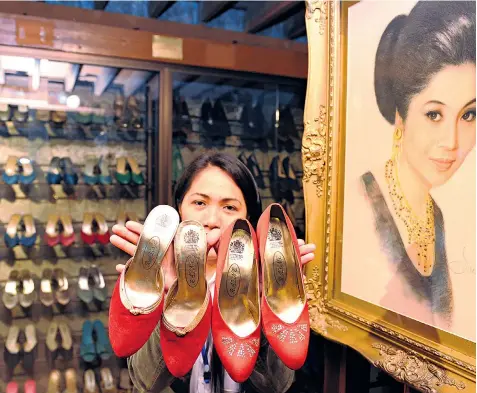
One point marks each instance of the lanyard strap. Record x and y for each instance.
(205, 359)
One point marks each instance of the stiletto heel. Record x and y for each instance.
(187, 307)
(236, 312)
(137, 297)
(285, 319)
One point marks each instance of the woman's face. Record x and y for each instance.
(439, 130)
(213, 199)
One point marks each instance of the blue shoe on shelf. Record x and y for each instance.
(10, 175)
(53, 175)
(87, 347)
(105, 175)
(103, 346)
(70, 177)
(11, 233)
(29, 236)
(90, 170)
(27, 173)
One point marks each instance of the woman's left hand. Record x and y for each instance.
(306, 251)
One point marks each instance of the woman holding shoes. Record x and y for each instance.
(215, 190)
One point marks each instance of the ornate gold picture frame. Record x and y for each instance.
(424, 356)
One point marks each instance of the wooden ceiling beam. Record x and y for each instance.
(295, 26)
(157, 8)
(262, 15)
(104, 80)
(72, 77)
(212, 9)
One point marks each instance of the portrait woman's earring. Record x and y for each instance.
(397, 137)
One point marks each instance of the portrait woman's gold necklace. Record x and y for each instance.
(420, 231)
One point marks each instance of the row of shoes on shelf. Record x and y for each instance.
(69, 383)
(127, 115)
(21, 230)
(214, 121)
(61, 169)
(20, 288)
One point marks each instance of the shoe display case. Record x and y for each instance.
(88, 142)
(75, 159)
(258, 120)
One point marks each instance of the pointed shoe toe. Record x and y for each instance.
(188, 305)
(285, 319)
(236, 310)
(136, 303)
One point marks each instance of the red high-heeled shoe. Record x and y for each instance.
(236, 310)
(285, 319)
(188, 306)
(137, 300)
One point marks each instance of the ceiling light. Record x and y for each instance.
(73, 101)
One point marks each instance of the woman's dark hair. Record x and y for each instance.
(235, 169)
(413, 48)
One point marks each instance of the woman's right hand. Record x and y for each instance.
(126, 238)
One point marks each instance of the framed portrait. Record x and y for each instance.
(390, 180)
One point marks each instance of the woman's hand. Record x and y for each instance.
(126, 237)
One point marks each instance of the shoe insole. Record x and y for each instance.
(282, 283)
(67, 225)
(54, 382)
(134, 166)
(102, 224)
(87, 227)
(12, 226)
(27, 167)
(107, 379)
(90, 381)
(50, 341)
(190, 250)
(11, 166)
(31, 341)
(66, 340)
(121, 165)
(89, 166)
(238, 295)
(51, 225)
(30, 229)
(71, 381)
(143, 279)
(12, 344)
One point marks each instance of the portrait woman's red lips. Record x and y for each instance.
(443, 164)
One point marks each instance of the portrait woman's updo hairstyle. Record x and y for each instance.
(413, 48)
(235, 169)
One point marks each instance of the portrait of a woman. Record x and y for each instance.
(424, 87)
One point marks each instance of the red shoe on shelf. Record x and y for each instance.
(285, 319)
(236, 311)
(52, 234)
(137, 299)
(29, 386)
(188, 306)
(87, 234)
(12, 387)
(67, 237)
(102, 235)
